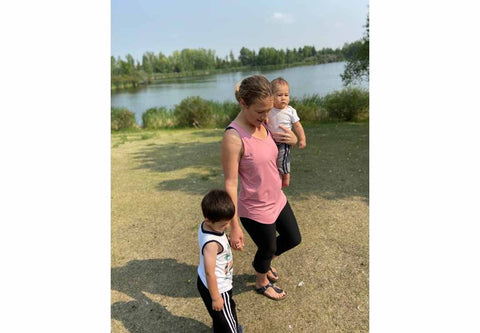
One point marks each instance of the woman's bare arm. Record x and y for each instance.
(231, 154)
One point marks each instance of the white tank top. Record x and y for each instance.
(224, 262)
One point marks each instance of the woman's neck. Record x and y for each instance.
(259, 132)
(242, 121)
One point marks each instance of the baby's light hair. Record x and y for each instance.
(279, 81)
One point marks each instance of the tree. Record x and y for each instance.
(162, 64)
(289, 57)
(357, 57)
(231, 58)
(148, 61)
(247, 57)
(114, 66)
(268, 56)
(175, 60)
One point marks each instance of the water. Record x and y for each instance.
(305, 80)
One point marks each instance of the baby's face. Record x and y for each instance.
(281, 96)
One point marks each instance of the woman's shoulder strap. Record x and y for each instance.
(234, 126)
(266, 127)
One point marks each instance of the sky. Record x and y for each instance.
(224, 25)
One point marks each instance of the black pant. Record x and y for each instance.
(265, 237)
(225, 320)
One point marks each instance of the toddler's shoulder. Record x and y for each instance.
(291, 109)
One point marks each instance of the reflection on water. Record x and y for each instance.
(305, 80)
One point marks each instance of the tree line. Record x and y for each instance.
(131, 72)
(188, 62)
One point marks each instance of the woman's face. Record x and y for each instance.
(257, 112)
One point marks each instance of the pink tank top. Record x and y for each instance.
(261, 197)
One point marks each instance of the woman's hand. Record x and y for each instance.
(236, 238)
(287, 136)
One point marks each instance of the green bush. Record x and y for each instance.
(309, 108)
(122, 118)
(224, 112)
(194, 110)
(156, 118)
(346, 104)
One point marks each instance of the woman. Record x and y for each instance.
(249, 151)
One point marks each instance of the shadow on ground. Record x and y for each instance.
(176, 156)
(334, 165)
(160, 277)
(145, 316)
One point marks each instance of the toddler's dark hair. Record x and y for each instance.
(252, 88)
(218, 206)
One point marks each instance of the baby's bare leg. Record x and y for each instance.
(285, 180)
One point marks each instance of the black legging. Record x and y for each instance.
(265, 237)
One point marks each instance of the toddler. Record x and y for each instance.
(215, 270)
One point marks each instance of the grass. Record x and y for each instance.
(158, 180)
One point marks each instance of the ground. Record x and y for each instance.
(158, 181)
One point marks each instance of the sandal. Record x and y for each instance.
(277, 290)
(269, 277)
(275, 275)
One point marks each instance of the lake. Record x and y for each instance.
(305, 80)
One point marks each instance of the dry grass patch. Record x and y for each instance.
(157, 185)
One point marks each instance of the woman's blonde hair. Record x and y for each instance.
(252, 88)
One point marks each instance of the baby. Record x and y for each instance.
(283, 114)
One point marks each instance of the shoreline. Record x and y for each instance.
(157, 78)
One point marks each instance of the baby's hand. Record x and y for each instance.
(217, 304)
(302, 144)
